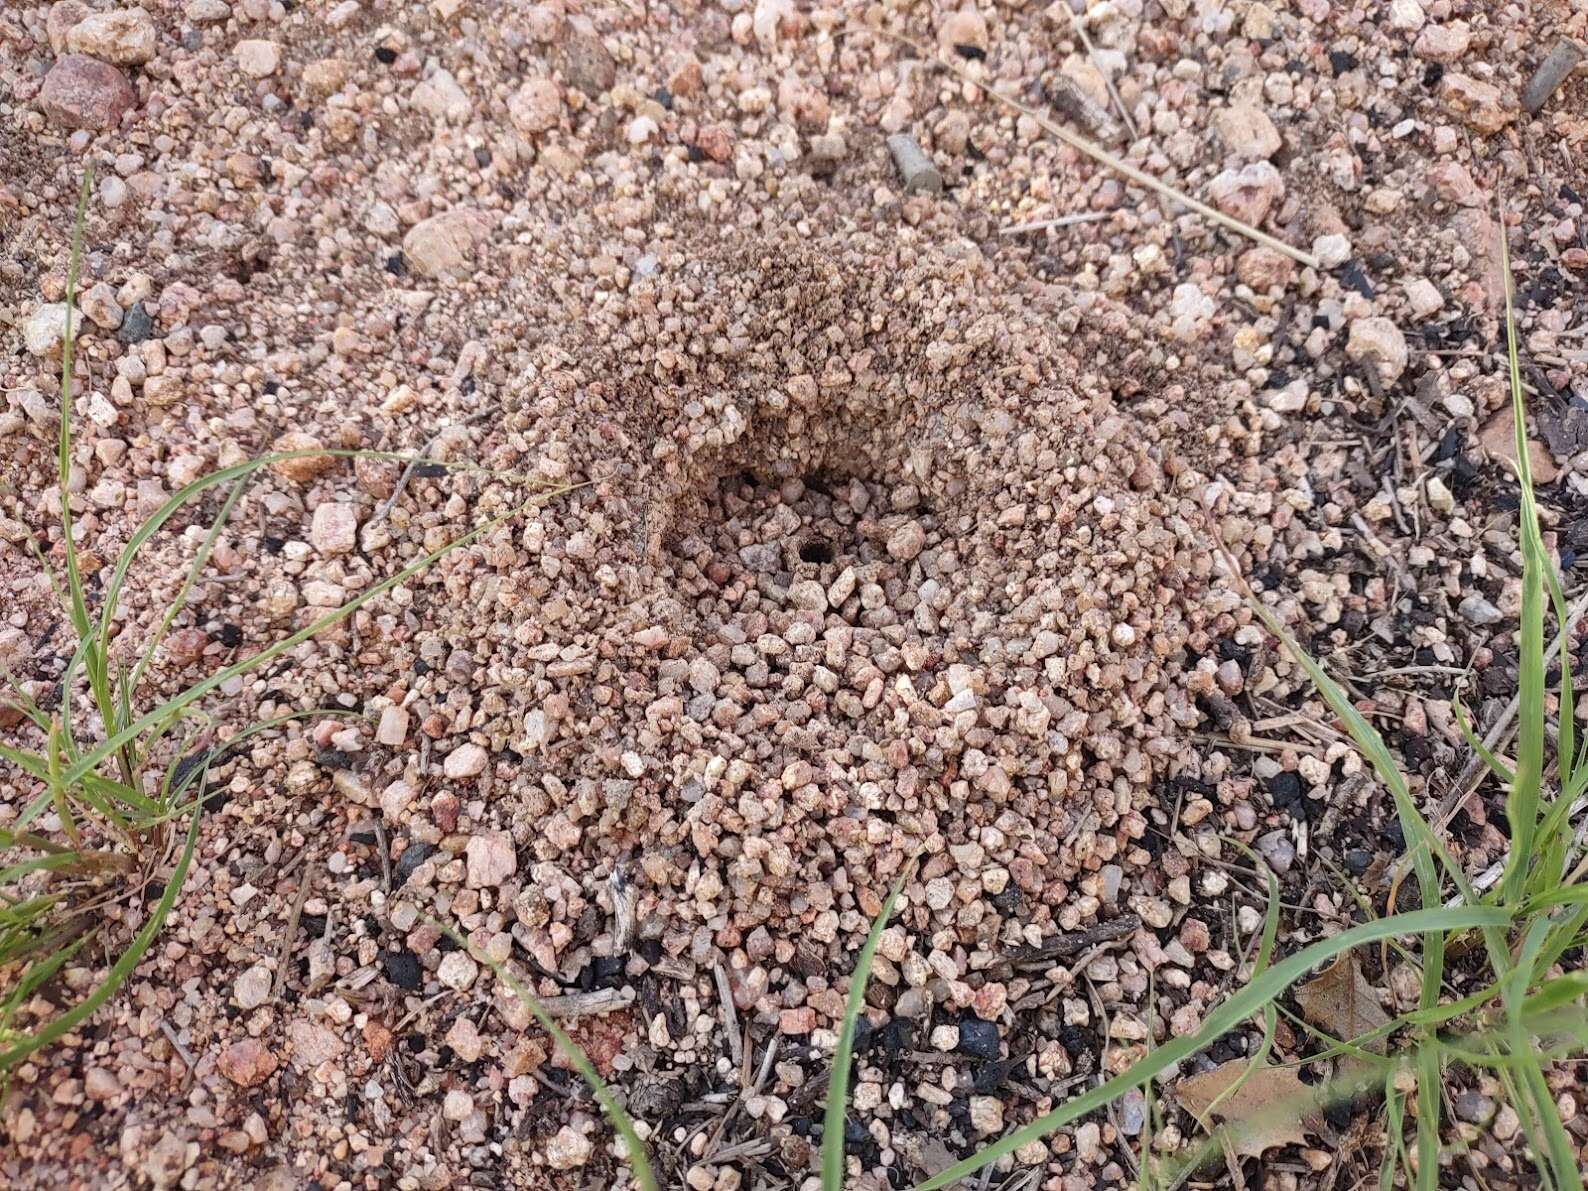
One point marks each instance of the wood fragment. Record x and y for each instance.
(730, 1014)
(915, 167)
(1075, 942)
(602, 1000)
(1551, 73)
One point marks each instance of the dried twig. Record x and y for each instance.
(730, 1015)
(1079, 25)
(289, 937)
(422, 456)
(602, 1000)
(1096, 152)
(1075, 942)
(1042, 225)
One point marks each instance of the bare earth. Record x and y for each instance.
(894, 534)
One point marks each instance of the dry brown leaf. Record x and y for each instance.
(1498, 437)
(1270, 1109)
(1340, 1000)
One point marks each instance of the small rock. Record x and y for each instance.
(393, 727)
(1332, 250)
(1480, 104)
(125, 36)
(1248, 194)
(536, 106)
(258, 58)
(45, 331)
(168, 1160)
(1247, 131)
(797, 1021)
(334, 530)
(443, 245)
(99, 305)
(247, 1063)
(1474, 1107)
(1378, 343)
(100, 1085)
(457, 970)
(1406, 16)
(1190, 311)
(301, 469)
(587, 64)
(466, 761)
(945, 1038)
(907, 541)
(986, 1115)
(491, 859)
(966, 28)
(325, 76)
(253, 987)
(978, 1038)
(457, 1104)
(207, 12)
(442, 97)
(1264, 268)
(1443, 43)
(312, 1044)
(136, 325)
(464, 1038)
(1423, 296)
(1277, 848)
(83, 92)
(1476, 610)
(64, 16)
(568, 1149)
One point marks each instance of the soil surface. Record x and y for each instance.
(879, 523)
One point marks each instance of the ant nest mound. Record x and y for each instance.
(890, 573)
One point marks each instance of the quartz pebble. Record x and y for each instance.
(124, 36)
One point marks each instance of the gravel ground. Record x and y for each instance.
(895, 535)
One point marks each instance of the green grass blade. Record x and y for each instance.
(1495, 766)
(1242, 1005)
(1522, 807)
(620, 1120)
(77, 607)
(1429, 1104)
(843, 1054)
(1395, 1128)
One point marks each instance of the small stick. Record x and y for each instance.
(1042, 225)
(290, 937)
(176, 1045)
(1079, 26)
(1096, 152)
(385, 856)
(1077, 941)
(602, 1000)
(1551, 73)
(730, 1015)
(422, 456)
